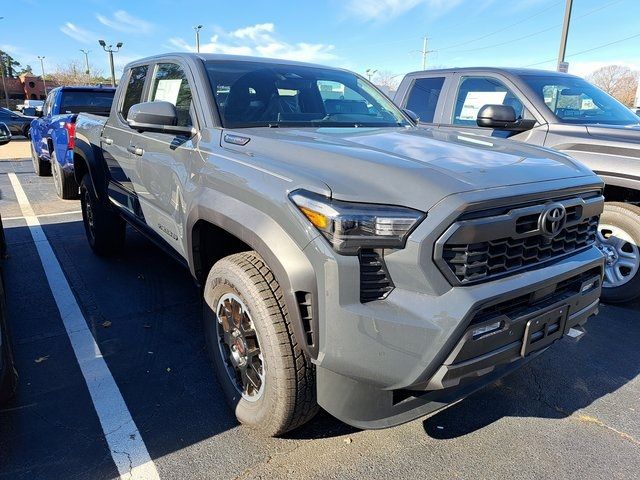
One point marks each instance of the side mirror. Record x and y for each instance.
(502, 117)
(412, 115)
(159, 117)
(5, 134)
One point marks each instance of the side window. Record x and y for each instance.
(170, 85)
(133, 94)
(46, 110)
(476, 92)
(423, 98)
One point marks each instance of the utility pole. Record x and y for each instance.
(424, 53)
(197, 29)
(109, 49)
(44, 82)
(562, 66)
(4, 85)
(86, 62)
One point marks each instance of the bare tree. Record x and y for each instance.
(387, 79)
(618, 81)
(74, 73)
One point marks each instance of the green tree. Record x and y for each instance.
(10, 66)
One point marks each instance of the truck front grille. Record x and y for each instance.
(480, 248)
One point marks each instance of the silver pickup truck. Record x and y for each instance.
(346, 257)
(555, 110)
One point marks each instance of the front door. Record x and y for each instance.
(475, 91)
(163, 162)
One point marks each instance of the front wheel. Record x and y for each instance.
(104, 228)
(619, 239)
(265, 376)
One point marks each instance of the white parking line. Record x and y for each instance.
(73, 212)
(127, 447)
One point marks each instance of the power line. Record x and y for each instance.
(510, 41)
(466, 42)
(587, 50)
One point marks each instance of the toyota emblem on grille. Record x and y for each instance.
(553, 219)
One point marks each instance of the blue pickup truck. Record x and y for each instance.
(52, 135)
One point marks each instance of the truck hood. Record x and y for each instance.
(619, 133)
(405, 166)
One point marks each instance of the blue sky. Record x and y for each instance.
(357, 34)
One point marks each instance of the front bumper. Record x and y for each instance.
(389, 362)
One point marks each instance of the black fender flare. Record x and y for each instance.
(88, 158)
(285, 258)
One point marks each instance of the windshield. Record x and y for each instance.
(574, 100)
(253, 94)
(76, 101)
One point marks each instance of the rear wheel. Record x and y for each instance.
(104, 228)
(619, 239)
(41, 167)
(66, 185)
(266, 378)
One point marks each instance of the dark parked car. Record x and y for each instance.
(5, 134)
(18, 124)
(555, 110)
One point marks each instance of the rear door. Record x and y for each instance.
(470, 92)
(163, 161)
(425, 96)
(116, 141)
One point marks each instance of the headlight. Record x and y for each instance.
(350, 226)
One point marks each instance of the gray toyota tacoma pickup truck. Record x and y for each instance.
(347, 258)
(555, 110)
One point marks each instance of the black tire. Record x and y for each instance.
(624, 219)
(288, 397)
(26, 131)
(66, 185)
(41, 167)
(104, 228)
(8, 374)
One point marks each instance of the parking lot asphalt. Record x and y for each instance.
(572, 413)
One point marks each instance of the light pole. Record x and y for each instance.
(109, 49)
(197, 29)
(562, 66)
(86, 62)
(370, 73)
(44, 82)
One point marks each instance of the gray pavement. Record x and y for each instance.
(573, 413)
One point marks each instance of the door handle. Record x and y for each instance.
(135, 150)
(108, 141)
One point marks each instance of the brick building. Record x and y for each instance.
(25, 87)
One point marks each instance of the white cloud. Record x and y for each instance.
(125, 22)
(259, 40)
(79, 34)
(381, 10)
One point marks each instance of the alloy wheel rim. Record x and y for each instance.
(622, 256)
(239, 347)
(88, 211)
(56, 175)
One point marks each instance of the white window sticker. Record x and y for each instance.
(476, 100)
(167, 91)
